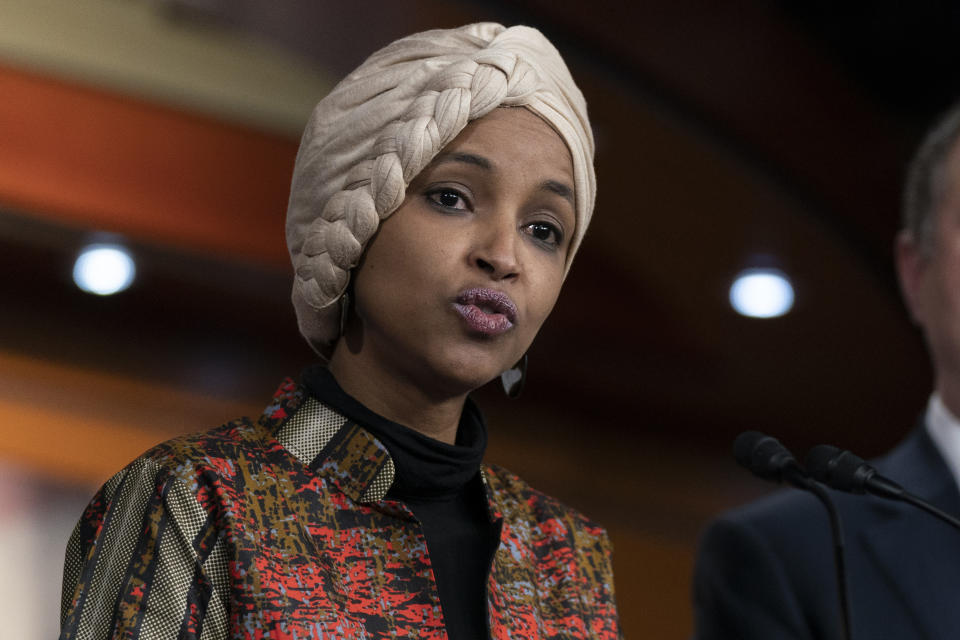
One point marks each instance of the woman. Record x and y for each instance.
(439, 195)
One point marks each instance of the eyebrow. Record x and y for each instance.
(466, 158)
(553, 186)
(559, 188)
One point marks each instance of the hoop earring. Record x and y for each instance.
(514, 378)
(344, 311)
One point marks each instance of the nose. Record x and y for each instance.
(496, 251)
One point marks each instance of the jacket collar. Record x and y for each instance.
(332, 446)
(917, 464)
(341, 450)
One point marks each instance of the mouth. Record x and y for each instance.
(486, 311)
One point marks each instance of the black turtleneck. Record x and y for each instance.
(441, 485)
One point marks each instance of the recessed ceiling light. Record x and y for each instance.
(761, 293)
(103, 269)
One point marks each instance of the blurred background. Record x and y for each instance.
(732, 137)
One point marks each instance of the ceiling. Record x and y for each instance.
(765, 133)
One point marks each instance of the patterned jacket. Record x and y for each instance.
(280, 529)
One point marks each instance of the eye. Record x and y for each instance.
(545, 233)
(448, 198)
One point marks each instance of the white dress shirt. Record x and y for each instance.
(944, 430)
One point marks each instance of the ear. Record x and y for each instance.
(911, 268)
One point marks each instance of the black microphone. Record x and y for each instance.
(765, 457)
(846, 471)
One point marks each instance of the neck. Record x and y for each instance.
(949, 392)
(396, 397)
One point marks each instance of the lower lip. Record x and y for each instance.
(479, 321)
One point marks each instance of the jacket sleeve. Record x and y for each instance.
(607, 554)
(144, 562)
(741, 590)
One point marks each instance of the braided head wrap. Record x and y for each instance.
(385, 122)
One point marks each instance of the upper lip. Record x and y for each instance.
(496, 301)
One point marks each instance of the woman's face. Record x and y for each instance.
(457, 282)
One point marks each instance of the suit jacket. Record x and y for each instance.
(766, 570)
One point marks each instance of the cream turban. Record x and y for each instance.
(383, 123)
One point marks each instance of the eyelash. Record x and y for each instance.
(555, 234)
(434, 197)
(552, 242)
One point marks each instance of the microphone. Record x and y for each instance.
(846, 471)
(765, 457)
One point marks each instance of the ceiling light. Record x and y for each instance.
(103, 269)
(761, 293)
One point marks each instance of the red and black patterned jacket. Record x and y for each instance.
(280, 529)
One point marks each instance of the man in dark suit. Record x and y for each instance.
(765, 571)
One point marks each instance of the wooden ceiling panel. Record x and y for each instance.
(105, 162)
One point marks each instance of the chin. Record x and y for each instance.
(463, 372)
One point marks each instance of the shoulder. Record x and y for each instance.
(222, 451)
(793, 513)
(201, 464)
(766, 569)
(782, 544)
(785, 520)
(211, 449)
(788, 528)
(782, 510)
(547, 516)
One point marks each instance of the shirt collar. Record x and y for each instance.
(944, 429)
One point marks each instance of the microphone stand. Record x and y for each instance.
(909, 498)
(838, 552)
(765, 457)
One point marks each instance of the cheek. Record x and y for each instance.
(400, 265)
(543, 297)
(380, 273)
(948, 278)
